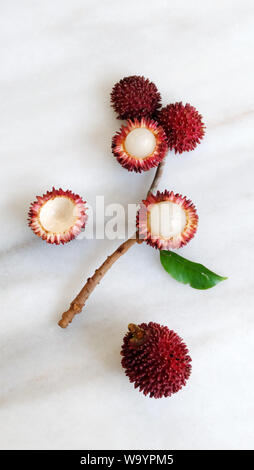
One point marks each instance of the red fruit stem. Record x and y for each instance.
(78, 303)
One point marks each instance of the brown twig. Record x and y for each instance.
(157, 177)
(78, 303)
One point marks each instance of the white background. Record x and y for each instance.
(66, 388)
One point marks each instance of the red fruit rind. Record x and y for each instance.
(160, 366)
(183, 126)
(135, 97)
(62, 237)
(132, 163)
(173, 242)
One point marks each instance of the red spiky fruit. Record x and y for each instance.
(140, 145)
(58, 216)
(155, 359)
(135, 97)
(167, 220)
(183, 126)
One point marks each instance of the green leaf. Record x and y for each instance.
(188, 272)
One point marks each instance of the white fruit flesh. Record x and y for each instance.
(166, 219)
(140, 143)
(58, 215)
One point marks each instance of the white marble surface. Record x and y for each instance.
(66, 389)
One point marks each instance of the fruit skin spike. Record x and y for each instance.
(183, 126)
(130, 162)
(155, 359)
(176, 241)
(135, 97)
(62, 237)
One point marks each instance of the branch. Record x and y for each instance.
(157, 177)
(78, 303)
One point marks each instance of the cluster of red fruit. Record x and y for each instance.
(151, 130)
